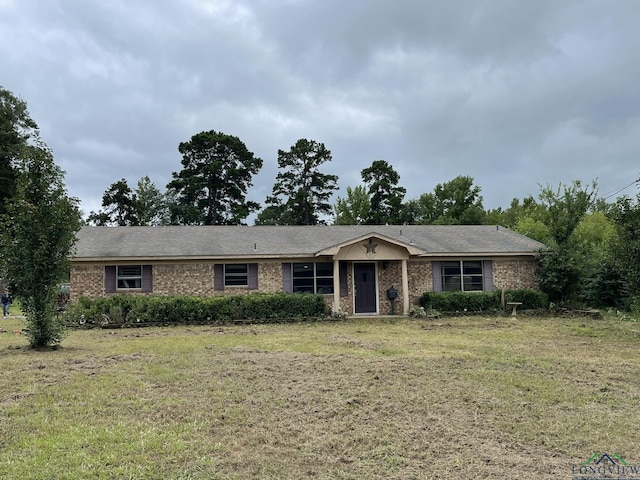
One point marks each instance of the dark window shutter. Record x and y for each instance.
(437, 276)
(110, 279)
(287, 285)
(218, 276)
(253, 276)
(487, 272)
(344, 287)
(147, 278)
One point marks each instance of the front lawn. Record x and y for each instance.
(460, 398)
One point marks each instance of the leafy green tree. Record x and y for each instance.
(151, 203)
(606, 286)
(420, 211)
(171, 210)
(119, 204)
(578, 270)
(301, 192)
(593, 238)
(211, 188)
(385, 195)
(558, 274)
(594, 234)
(532, 228)
(16, 128)
(354, 208)
(37, 236)
(457, 202)
(122, 206)
(510, 217)
(562, 268)
(626, 247)
(566, 206)
(272, 215)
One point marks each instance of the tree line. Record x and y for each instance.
(217, 172)
(593, 246)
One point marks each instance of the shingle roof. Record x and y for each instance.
(290, 241)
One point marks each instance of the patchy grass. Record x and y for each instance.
(360, 399)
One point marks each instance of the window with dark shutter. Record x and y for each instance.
(128, 277)
(218, 276)
(287, 286)
(110, 279)
(253, 276)
(147, 278)
(487, 268)
(437, 276)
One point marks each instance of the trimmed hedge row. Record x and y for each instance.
(483, 301)
(127, 310)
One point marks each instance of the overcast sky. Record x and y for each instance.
(514, 93)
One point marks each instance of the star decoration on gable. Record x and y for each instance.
(371, 247)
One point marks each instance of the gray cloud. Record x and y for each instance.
(515, 94)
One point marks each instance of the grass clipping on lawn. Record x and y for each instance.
(361, 399)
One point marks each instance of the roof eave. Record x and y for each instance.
(479, 254)
(195, 258)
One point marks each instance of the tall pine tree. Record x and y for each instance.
(301, 192)
(211, 188)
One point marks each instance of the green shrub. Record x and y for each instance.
(122, 310)
(530, 299)
(460, 301)
(482, 301)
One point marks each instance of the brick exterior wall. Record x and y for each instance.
(183, 279)
(388, 277)
(86, 281)
(514, 273)
(270, 277)
(198, 279)
(175, 279)
(420, 280)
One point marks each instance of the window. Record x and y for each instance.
(465, 276)
(313, 277)
(236, 275)
(129, 277)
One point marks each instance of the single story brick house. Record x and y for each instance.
(353, 266)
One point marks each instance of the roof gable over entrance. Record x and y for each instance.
(372, 246)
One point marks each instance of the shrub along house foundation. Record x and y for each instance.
(357, 268)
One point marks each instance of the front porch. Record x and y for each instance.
(371, 276)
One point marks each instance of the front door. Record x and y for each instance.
(364, 277)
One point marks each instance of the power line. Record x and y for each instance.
(617, 191)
